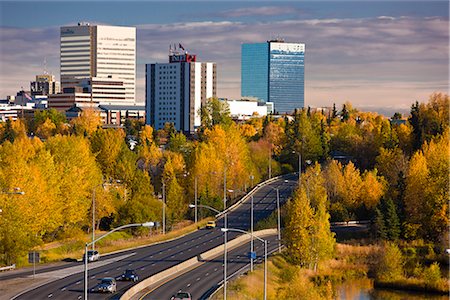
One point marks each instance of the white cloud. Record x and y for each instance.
(381, 60)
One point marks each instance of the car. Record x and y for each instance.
(129, 275)
(210, 224)
(93, 255)
(107, 285)
(181, 296)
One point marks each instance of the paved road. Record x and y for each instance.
(150, 260)
(201, 281)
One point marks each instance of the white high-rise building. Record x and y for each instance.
(99, 51)
(176, 91)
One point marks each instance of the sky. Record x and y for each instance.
(379, 55)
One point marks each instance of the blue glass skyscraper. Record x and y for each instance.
(274, 72)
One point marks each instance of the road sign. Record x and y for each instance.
(251, 255)
(33, 257)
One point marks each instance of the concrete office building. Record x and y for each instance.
(175, 91)
(99, 51)
(89, 92)
(44, 85)
(274, 72)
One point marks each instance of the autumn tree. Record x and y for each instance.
(79, 173)
(298, 228)
(215, 112)
(87, 123)
(26, 219)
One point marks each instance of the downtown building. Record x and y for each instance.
(175, 91)
(274, 71)
(97, 51)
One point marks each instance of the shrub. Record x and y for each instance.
(390, 263)
(432, 275)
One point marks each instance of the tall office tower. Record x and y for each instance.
(175, 91)
(99, 51)
(274, 72)
(44, 85)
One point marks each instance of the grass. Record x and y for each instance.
(71, 249)
(351, 265)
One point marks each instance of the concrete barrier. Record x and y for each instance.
(208, 255)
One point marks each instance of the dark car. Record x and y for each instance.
(181, 296)
(129, 275)
(106, 285)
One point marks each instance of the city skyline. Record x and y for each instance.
(373, 54)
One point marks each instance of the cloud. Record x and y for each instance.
(380, 61)
(263, 11)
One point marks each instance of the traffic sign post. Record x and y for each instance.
(34, 257)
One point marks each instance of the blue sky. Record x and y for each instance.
(371, 53)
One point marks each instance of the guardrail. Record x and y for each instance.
(350, 223)
(232, 207)
(191, 262)
(7, 268)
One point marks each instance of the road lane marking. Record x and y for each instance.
(63, 289)
(50, 295)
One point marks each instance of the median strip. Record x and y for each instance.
(175, 271)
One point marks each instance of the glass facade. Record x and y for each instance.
(287, 76)
(255, 71)
(275, 72)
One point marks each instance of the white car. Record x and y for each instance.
(93, 255)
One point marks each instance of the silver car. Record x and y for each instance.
(107, 285)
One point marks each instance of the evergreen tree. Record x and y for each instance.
(392, 221)
(345, 115)
(334, 112)
(379, 227)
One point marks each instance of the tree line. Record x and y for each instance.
(59, 165)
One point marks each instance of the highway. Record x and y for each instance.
(150, 260)
(201, 281)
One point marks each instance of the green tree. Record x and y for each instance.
(392, 220)
(215, 112)
(379, 226)
(390, 263)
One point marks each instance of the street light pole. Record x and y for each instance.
(251, 241)
(146, 224)
(195, 195)
(93, 217)
(225, 230)
(225, 234)
(279, 220)
(164, 207)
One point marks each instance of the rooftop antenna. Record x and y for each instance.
(45, 66)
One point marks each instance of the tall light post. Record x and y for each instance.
(164, 207)
(205, 206)
(299, 165)
(195, 198)
(251, 230)
(225, 233)
(225, 230)
(146, 224)
(279, 218)
(103, 184)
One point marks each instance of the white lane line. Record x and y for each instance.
(188, 285)
(206, 274)
(78, 282)
(215, 269)
(92, 277)
(118, 269)
(153, 264)
(106, 272)
(198, 279)
(130, 264)
(79, 297)
(50, 295)
(142, 269)
(63, 289)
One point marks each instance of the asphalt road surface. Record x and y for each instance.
(150, 260)
(203, 280)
